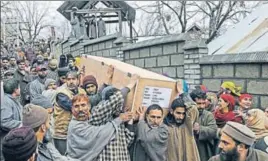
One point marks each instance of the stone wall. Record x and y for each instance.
(66, 47)
(77, 48)
(248, 70)
(161, 55)
(103, 46)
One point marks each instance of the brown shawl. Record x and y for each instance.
(181, 142)
(258, 123)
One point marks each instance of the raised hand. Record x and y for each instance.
(133, 81)
(110, 73)
(141, 112)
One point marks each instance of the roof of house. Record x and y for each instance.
(128, 13)
(249, 35)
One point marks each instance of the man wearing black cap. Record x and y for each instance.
(235, 144)
(38, 85)
(62, 76)
(20, 145)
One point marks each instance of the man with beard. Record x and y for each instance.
(91, 87)
(62, 109)
(38, 119)
(205, 129)
(181, 141)
(152, 135)
(86, 141)
(13, 62)
(235, 144)
(38, 85)
(52, 71)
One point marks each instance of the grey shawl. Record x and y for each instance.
(11, 113)
(151, 143)
(36, 88)
(86, 142)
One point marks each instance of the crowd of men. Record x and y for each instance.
(52, 111)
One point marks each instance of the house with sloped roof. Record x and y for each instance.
(249, 35)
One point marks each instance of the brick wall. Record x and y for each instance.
(247, 70)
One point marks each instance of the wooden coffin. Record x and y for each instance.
(151, 88)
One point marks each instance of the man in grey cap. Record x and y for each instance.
(235, 144)
(38, 85)
(9, 74)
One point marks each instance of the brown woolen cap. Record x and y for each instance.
(239, 132)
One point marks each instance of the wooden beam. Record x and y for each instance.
(111, 21)
(101, 10)
(103, 16)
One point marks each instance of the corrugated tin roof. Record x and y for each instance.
(249, 35)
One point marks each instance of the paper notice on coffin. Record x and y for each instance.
(156, 95)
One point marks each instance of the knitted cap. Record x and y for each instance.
(89, 79)
(19, 144)
(230, 99)
(53, 63)
(49, 81)
(63, 71)
(34, 116)
(42, 101)
(239, 132)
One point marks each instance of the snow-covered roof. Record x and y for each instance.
(249, 35)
